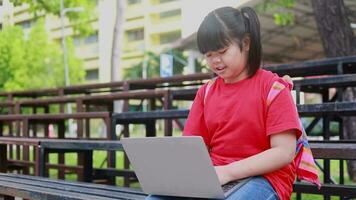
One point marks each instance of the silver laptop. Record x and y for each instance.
(176, 166)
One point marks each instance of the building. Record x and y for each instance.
(150, 25)
(156, 25)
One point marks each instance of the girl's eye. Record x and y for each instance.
(208, 55)
(222, 51)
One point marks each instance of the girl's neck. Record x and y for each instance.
(241, 76)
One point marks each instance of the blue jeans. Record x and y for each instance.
(258, 188)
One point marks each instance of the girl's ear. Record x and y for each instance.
(246, 43)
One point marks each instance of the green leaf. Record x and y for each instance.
(279, 8)
(34, 62)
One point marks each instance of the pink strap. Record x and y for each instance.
(304, 160)
(209, 84)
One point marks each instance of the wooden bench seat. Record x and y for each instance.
(346, 191)
(338, 65)
(321, 84)
(142, 117)
(30, 187)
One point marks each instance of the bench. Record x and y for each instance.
(33, 188)
(341, 150)
(41, 188)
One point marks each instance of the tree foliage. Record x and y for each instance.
(79, 20)
(282, 16)
(34, 61)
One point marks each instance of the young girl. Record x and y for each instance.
(246, 135)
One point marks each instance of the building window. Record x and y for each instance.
(169, 37)
(130, 2)
(134, 35)
(170, 13)
(76, 40)
(91, 39)
(166, 1)
(26, 24)
(92, 74)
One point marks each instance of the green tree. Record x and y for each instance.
(79, 20)
(11, 53)
(35, 62)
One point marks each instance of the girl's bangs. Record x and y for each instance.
(211, 35)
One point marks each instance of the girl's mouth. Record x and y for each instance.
(220, 69)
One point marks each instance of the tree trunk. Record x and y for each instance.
(338, 40)
(116, 48)
(117, 40)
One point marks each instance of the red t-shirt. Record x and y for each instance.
(235, 122)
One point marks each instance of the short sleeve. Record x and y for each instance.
(195, 124)
(282, 114)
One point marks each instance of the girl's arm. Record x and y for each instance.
(280, 154)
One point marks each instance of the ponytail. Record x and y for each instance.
(252, 28)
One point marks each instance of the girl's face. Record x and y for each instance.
(229, 63)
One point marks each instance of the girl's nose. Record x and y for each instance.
(216, 59)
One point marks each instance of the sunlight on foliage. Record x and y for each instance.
(281, 16)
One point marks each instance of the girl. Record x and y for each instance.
(246, 135)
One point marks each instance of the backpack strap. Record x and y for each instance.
(207, 88)
(304, 160)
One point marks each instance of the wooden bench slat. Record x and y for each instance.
(319, 84)
(78, 184)
(74, 191)
(334, 150)
(328, 189)
(315, 67)
(139, 117)
(85, 189)
(33, 192)
(81, 144)
(340, 109)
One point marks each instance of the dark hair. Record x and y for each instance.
(223, 26)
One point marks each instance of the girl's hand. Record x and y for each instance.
(223, 174)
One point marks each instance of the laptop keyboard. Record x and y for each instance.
(229, 185)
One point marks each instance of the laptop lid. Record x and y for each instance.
(174, 166)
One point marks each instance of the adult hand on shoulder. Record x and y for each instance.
(288, 79)
(223, 174)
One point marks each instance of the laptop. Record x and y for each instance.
(176, 166)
